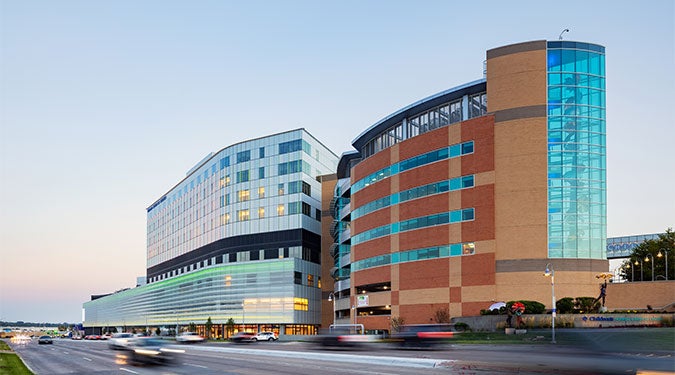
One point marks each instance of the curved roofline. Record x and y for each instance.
(345, 159)
(207, 159)
(419, 105)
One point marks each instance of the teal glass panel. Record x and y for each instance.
(455, 249)
(576, 150)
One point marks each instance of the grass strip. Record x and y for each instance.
(4, 346)
(11, 364)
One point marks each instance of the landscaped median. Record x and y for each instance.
(10, 363)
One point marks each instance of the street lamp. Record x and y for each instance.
(331, 297)
(636, 263)
(632, 272)
(647, 260)
(549, 272)
(660, 254)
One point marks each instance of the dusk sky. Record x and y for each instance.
(105, 105)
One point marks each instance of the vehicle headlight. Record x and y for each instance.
(147, 352)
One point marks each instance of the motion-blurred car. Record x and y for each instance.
(265, 336)
(189, 338)
(119, 340)
(148, 350)
(45, 340)
(424, 335)
(243, 337)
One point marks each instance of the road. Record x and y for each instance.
(93, 357)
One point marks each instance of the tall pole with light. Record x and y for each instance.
(331, 298)
(641, 273)
(550, 272)
(647, 260)
(660, 254)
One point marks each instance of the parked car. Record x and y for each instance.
(243, 337)
(120, 340)
(45, 340)
(148, 350)
(265, 336)
(189, 338)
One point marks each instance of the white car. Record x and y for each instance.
(265, 336)
(120, 340)
(189, 337)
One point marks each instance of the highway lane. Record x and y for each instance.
(94, 357)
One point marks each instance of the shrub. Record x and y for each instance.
(461, 327)
(565, 305)
(585, 305)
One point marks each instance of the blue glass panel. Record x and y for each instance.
(455, 184)
(554, 60)
(554, 79)
(455, 216)
(394, 227)
(568, 60)
(467, 147)
(581, 61)
(455, 249)
(454, 151)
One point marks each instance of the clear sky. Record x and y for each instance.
(104, 105)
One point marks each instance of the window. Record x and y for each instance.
(243, 156)
(306, 189)
(290, 167)
(224, 162)
(294, 208)
(243, 195)
(261, 152)
(261, 173)
(306, 209)
(280, 210)
(281, 189)
(310, 280)
(243, 215)
(294, 187)
(224, 181)
(224, 219)
(261, 212)
(261, 192)
(291, 146)
(243, 176)
(297, 277)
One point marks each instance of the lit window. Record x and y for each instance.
(280, 210)
(281, 189)
(242, 215)
(243, 195)
(468, 248)
(224, 219)
(300, 304)
(261, 192)
(224, 181)
(310, 280)
(261, 212)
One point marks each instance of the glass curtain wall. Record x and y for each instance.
(577, 218)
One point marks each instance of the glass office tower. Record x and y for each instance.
(238, 238)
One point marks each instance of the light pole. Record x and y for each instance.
(632, 272)
(641, 273)
(331, 297)
(647, 260)
(660, 254)
(550, 272)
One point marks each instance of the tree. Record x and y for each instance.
(639, 265)
(192, 327)
(396, 323)
(208, 326)
(230, 326)
(158, 331)
(442, 315)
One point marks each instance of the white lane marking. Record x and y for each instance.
(86, 359)
(127, 370)
(191, 364)
(65, 352)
